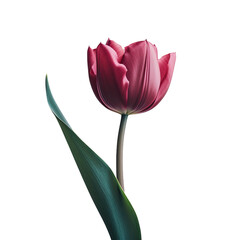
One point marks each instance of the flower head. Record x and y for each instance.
(130, 80)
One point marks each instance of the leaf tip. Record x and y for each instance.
(46, 79)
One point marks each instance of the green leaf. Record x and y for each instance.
(107, 194)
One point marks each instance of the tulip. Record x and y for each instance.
(129, 81)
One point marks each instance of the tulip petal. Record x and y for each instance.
(112, 84)
(117, 48)
(92, 70)
(166, 65)
(143, 74)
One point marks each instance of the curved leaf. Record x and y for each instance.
(108, 196)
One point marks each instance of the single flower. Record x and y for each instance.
(130, 80)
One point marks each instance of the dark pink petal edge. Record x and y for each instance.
(92, 69)
(112, 84)
(166, 65)
(117, 48)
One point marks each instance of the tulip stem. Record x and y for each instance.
(120, 149)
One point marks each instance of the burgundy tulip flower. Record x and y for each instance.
(130, 80)
(127, 81)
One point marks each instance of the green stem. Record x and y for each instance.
(120, 149)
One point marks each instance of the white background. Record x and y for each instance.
(181, 159)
